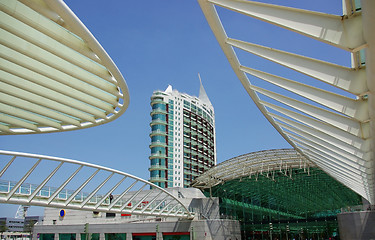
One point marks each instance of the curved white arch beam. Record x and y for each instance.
(332, 129)
(54, 75)
(93, 184)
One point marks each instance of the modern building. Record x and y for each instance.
(182, 135)
(70, 224)
(20, 224)
(280, 194)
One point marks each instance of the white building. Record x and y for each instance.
(183, 143)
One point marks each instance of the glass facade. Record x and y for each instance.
(297, 204)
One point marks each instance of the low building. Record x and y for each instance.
(12, 224)
(67, 224)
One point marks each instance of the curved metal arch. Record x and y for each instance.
(55, 76)
(253, 164)
(113, 191)
(330, 129)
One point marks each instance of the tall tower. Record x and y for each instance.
(183, 143)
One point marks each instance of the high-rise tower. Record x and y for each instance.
(183, 143)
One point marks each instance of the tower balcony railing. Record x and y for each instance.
(157, 167)
(158, 144)
(158, 121)
(155, 101)
(158, 179)
(158, 132)
(157, 155)
(158, 110)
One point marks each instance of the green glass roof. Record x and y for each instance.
(294, 194)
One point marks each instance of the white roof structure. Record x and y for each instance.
(55, 76)
(252, 165)
(333, 130)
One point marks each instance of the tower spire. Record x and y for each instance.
(202, 93)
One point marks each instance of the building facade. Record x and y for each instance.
(183, 143)
(87, 225)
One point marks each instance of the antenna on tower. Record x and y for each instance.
(199, 76)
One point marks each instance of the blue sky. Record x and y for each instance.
(156, 43)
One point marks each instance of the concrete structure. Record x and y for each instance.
(206, 224)
(361, 224)
(183, 143)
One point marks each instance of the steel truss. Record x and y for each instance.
(96, 188)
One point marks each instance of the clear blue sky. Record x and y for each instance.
(156, 43)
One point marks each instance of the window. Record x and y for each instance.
(115, 236)
(67, 236)
(90, 236)
(47, 236)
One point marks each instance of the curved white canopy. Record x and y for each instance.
(54, 76)
(333, 130)
(252, 165)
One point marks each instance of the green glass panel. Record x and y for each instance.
(115, 236)
(176, 237)
(47, 236)
(90, 236)
(67, 236)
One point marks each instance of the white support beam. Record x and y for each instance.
(350, 80)
(325, 141)
(343, 139)
(344, 123)
(338, 31)
(357, 109)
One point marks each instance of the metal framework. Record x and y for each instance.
(279, 183)
(252, 165)
(83, 186)
(332, 129)
(55, 76)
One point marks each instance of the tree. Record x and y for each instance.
(3, 228)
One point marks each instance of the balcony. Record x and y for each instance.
(158, 110)
(158, 121)
(158, 132)
(157, 167)
(158, 144)
(157, 155)
(158, 179)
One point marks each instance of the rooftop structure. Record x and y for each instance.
(183, 143)
(328, 114)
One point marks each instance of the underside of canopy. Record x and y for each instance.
(329, 118)
(55, 76)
